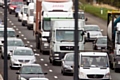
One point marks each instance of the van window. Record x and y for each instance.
(94, 61)
(25, 10)
(31, 12)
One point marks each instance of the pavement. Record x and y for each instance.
(43, 60)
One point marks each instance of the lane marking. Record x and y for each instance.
(17, 29)
(55, 77)
(19, 32)
(42, 59)
(22, 35)
(28, 42)
(14, 26)
(37, 54)
(10, 21)
(50, 70)
(25, 38)
(46, 64)
(31, 45)
(34, 50)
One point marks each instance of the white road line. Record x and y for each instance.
(55, 77)
(50, 70)
(14, 26)
(34, 50)
(46, 64)
(19, 32)
(22, 35)
(42, 59)
(17, 29)
(10, 21)
(28, 42)
(1, 78)
(31, 45)
(25, 38)
(37, 54)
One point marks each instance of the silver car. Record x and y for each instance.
(28, 71)
(93, 30)
(100, 43)
(12, 44)
(67, 63)
(20, 56)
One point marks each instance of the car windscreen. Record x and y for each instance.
(9, 34)
(15, 43)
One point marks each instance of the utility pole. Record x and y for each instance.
(76, 55)
(5, 42)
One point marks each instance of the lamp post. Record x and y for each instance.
(76, 55)
(5, 42)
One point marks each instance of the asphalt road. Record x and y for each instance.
(53, 71)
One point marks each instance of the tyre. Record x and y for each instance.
(23, 24)
(19, 20)
(37, 42)
(53, 62)
(10, 12)
(16, 15)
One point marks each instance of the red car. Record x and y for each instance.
(13, 5)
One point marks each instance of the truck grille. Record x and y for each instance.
(95, 76)
(67, 47)
(24, 61)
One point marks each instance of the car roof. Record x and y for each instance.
(23, 48)
(9, 29)
(93, 53)
(90, 53)
(38, 78)
(91, 25)
(15, 39)
(101, 36)
(31, 65)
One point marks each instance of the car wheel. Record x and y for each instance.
(63, 73)
(28, 27)
(11, 66)
(23, 24)
(19, 20)
(50, 60)
(10, 12)
(53, 62)
(2, 56)
(16, 15)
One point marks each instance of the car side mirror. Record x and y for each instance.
(86, 19)
(17, 72)
(26, 45)
(21, 12)
(17, 35)
(27, 15)
(45, 73)
(88, 35)
(48, 40)
(2, 41)
(11, 51)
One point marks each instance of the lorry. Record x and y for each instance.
(113, 39)
(44, 11)
(61, 38)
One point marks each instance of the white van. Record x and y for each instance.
(22, 15)
(30, 16)
(94, 65)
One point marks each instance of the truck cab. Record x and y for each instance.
(62, 38)
(94, 65)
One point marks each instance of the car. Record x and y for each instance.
(13, 5)
(22, 15)
(1, 26)
(100, 43)
(17, 9)
(67, 63)
(10, 34)
(28, 71)
(38, 79)
(12, 44)
(20, 56)
(93, 30)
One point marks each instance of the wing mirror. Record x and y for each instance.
(48, 40)
(45, 73)
(2, 41)
(26, 45)
(17, 35)
(27, 15)
(86, 19)
(21, 12)
(17, 72)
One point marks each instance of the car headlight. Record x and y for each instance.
(22, 78)
(107, 75)
(33, 60)
(56, 54)
(82, 75)
(14, 60)
(46, 44)
(12, 8)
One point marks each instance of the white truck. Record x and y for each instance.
(94, 65)
(50, 9)
(113, 39)
(62, 38)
